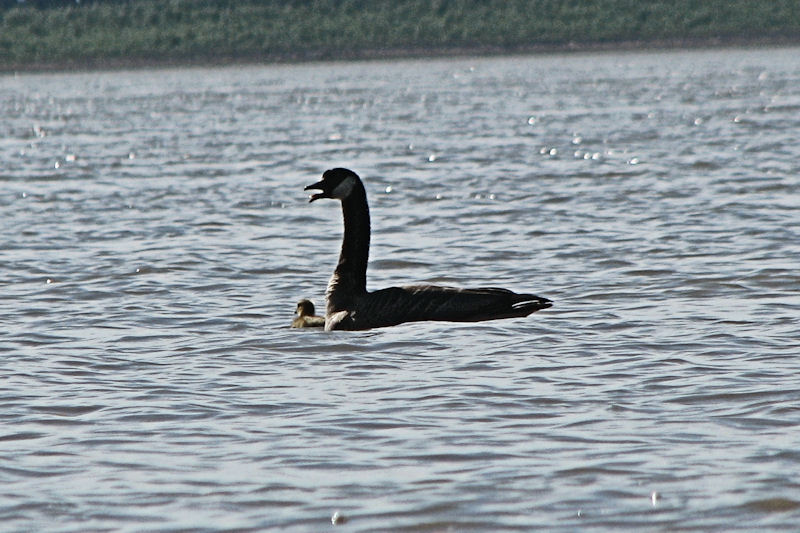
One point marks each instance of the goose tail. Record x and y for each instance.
(491, 304)
(530, 303)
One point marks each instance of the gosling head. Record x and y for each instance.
(305, 308)
(335, 183)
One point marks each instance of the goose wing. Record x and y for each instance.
(396, 305)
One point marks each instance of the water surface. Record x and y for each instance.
(156, 238)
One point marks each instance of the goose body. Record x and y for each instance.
(304, 316)
(350, 307)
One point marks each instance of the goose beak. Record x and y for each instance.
(319, 186)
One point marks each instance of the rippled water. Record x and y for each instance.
(156, 238)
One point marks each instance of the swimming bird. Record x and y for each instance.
(304, 316)
(350, 307)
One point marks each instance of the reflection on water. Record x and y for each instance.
(157, 239)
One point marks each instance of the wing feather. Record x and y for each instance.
(396, 305)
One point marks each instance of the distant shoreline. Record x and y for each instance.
(212, 60)
(63, 35)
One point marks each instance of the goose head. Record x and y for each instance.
(336, 183)
(305, 308)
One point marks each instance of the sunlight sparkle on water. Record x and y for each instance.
(659, 393)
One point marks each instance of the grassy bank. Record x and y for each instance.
(105, 33)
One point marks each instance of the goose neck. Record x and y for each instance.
(352, 267)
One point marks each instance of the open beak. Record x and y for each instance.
(319, 187)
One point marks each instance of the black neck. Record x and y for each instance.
(352, 267)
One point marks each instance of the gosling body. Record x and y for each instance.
(305, 317)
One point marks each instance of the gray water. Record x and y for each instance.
(156, 238)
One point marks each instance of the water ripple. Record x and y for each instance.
(157, 239)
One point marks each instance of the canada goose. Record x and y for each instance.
(304, 316)
(348, 304)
